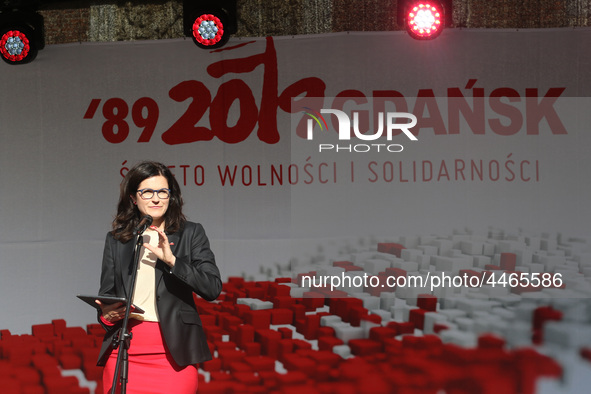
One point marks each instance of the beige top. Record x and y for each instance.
(144, 294)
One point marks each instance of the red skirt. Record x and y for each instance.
(151, 367)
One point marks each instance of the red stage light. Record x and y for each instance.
(21, 35)
(424, 19)
(210, 23)
(208, 31)
(15, 46)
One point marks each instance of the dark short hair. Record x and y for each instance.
(128, 214)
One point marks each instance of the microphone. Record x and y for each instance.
(144, 223)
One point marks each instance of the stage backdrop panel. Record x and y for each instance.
(226, 122)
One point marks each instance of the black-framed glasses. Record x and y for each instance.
(146, 194)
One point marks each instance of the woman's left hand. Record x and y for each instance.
(162, 251)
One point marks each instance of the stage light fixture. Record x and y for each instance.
(424, 20)
(209, 23)
(21, 35)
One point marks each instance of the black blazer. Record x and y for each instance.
(194, 271)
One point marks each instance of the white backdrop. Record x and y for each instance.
(63, 122)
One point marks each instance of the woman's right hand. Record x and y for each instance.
(112, 312)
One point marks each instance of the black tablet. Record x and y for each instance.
(89, 299)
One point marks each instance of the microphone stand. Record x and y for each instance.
(123, 339)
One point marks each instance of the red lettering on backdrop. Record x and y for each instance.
(228, 92)
(309, 92)
(267, 116)
(506, 110)
(426, 102)
(291, 100)
(537, 110)
(457, 104)
(184, 130)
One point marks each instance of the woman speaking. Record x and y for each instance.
(175, 261)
